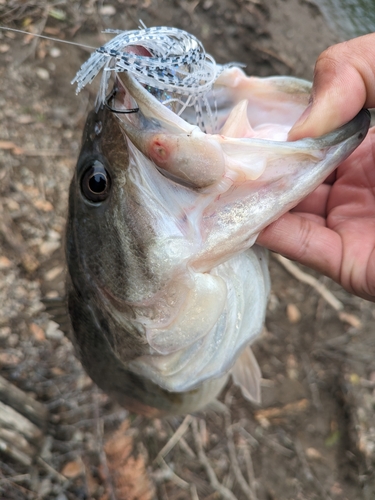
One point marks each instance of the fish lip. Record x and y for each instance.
(357, 125)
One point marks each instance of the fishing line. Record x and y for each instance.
(178, 72)
(48, 38)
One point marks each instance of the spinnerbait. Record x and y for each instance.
(179, 71)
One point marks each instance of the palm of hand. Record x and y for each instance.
(350, 215)
(333, 229)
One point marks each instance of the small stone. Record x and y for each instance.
(54, 272)
(24, 119)
(55, 52)
(292, 367)
(12, 205)
(13, 340)
(37, 332)
(48, 247)
(107, 10)
(54, 235)
(314, 454)
(9, 359)
(5, 263)
(293, 313)
(42, 73)
(5, 331)
(57, 371)
(53, 332)
(4, 47)
(29, 263)
(72, 469)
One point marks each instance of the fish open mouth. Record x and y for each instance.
(202, 124)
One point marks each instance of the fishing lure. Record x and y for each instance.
(178, 72)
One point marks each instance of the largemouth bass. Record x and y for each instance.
(182, 164)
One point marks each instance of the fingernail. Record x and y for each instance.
(301, 120)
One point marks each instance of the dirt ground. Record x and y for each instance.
(313, 437)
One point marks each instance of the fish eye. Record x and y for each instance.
(96, 182)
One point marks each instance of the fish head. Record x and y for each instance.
(163, 215)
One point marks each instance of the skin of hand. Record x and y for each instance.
(333, 229)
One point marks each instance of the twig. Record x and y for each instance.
(279, 448)
(52, 471)
(239, 426)
(249, 464)
(174, 439)
(310, 280)
(301, 455)
(274, 55)
(186, 448)
(312, 384)
(225, 493)
(22, 402)
(16, 454)
(307, 471)
(246, 488)
(193, 492)
(167, 474)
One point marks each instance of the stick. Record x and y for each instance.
(225, 493)
(36, 412)
(11, 419)
(246, 488)
(175, 438)
(310, 280)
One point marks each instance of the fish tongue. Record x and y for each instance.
(237, 124)
(138, 50)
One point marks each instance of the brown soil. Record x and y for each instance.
(312, 437)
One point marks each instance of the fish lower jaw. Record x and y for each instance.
(180, 361)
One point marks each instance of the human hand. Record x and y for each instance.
(333, 229)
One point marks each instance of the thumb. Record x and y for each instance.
(344, 83)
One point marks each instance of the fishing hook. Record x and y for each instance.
(112, 95)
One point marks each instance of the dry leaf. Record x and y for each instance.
(128, 473)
